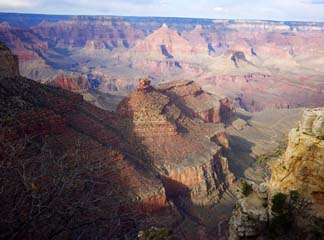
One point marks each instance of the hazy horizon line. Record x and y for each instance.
(156, 16)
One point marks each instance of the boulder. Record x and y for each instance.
(318, 127)
(306, 123)
(312, 122)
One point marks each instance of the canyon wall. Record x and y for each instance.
(258, 65)
(290, 205)
(301, 167)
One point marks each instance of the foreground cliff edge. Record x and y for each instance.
(291, 204)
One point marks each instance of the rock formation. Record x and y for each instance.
(90, 32)
(301, 168)
(72, 82)
(179, 144)
(144, 85)
(164, 42)
(188, 96)
(260, 64)
(312, 122)
(250, 217)
(152, 150)
(290, 205)
(28, 48)
(9, 63)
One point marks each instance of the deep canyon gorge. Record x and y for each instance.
(112, 127)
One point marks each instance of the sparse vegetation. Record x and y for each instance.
(156, 234)
(278, 203)
(281, 220)
(246, 188)
(264, 158)
(294, 197)
(46, 194)
(283, 206)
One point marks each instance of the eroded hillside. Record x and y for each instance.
(258, 64)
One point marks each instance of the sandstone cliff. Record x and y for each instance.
(290, 205)
(302, 166)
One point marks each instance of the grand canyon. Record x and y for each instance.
(160, 128)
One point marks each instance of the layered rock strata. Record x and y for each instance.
(180, 146)
(72, 82)
(189, 96)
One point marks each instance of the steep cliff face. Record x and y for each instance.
(27, 46)
(290, 205)
(301, 168)
(180, 146)
(72, 82)
(91, 32)
(9, 63)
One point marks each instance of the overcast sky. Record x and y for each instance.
(302, 10)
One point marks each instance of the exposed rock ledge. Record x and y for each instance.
(299, 172)
(302, 166)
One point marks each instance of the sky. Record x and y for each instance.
(289, 10)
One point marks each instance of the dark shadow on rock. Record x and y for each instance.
(175, 189)
(239, 155)
(237, 115)
(165, 52)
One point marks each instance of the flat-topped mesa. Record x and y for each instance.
(144, 85)
(8, 63)
(195, 102)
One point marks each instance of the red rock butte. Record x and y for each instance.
(181, 145)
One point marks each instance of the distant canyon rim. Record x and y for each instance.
(256, 64)
(180, 107)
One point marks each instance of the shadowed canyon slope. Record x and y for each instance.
(133, 148)
(258, 64)
(154, 119)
